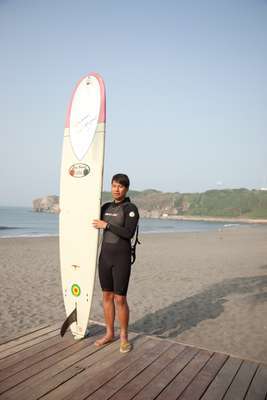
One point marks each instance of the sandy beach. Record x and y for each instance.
(207, 289)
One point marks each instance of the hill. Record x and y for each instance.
(227, 203)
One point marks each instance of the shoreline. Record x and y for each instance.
(214, 219)
(194, 218)
(228, 223)
(170, 232)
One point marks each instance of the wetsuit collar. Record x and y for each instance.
(125, 200)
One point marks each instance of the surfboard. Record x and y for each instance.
(80, 199)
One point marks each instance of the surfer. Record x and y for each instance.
(119, 221)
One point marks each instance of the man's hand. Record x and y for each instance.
(99, 224)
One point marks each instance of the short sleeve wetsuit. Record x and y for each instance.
(115, 256)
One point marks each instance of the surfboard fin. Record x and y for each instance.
(68, 321)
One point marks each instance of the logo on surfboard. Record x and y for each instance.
(75, 290)
(79, 170)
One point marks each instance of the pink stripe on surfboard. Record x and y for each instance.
(102, 112)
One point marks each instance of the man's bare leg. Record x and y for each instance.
(109, 315)
(123, 314)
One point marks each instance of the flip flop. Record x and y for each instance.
(103, 342)
(125, 347)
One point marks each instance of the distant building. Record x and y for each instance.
(184, 207)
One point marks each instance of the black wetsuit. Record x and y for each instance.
(115, 257)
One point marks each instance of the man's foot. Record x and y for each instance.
(104, 340)
(125, 346)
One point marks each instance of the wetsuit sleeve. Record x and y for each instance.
(131, 219)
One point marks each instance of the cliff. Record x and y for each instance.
(227, 204)
(46, 204)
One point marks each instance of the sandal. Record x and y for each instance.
(125, 347)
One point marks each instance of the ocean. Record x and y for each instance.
(23, 222)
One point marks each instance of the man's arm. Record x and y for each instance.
(131, 220)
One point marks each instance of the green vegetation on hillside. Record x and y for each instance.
(227, 203)
(214, 203)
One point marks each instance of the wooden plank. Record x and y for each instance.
(223, 380)
(27, 344)
(30, 351)
(23, 333)
(38, 391)
(156, 385)
(180, 382)
(65, 376)
(97, 374)
(133, 387)
(43, 364)
(35, 358)
(125, 376)
(27, 338)
(29, 357)
(50, 378)
(47, 380)
(53, 381)
(205, 376)
(258, 386)
(241, 382)
(106, 372)
(94, 365)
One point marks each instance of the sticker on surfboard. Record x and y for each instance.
(79, 170)
(76, 290)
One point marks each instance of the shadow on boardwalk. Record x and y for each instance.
(182, 315)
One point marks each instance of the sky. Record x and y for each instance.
(186, 87)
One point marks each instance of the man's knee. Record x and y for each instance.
(108, 296)
(120, 300)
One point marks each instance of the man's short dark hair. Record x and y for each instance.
(122, 179)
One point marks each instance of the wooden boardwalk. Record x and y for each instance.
(42, 365)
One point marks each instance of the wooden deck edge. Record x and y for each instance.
(204, 348)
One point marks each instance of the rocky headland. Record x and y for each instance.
(46, 204)
(235, 205)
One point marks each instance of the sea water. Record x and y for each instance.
(24, 222)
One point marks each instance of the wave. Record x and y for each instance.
(29, 236)
(230, 225)
(3, 228)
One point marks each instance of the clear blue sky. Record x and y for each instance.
(186, 89)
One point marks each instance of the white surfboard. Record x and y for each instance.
(80, 198)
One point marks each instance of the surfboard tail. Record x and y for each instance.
(68, 321)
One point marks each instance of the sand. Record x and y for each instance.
(205, 289)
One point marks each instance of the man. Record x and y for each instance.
(119, 221)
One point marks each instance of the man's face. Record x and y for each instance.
(118, 191)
